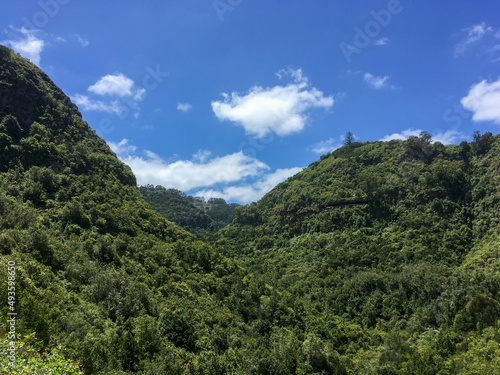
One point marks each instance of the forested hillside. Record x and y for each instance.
(193, 214)
(386, 252)
(380, 258)
(97, 271)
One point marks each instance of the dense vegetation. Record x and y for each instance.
(387, 252)
(99, 272)
(380, 258)
(193, 214)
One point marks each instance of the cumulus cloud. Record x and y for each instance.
(235, 177)
(483, 100)
(447, 137)
(279, 109)
(27, 44)
(323, 147)
(187, 174)
(251, 192)
(124, 96)
(377, 82)
(184, 107)
(113, 85)
(87, 104)
(474, 34)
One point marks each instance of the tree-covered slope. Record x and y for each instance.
(388, 252)
(194, 214)
(97, 271)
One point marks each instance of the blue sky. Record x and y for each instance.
(227, 98)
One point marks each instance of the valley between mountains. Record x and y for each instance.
(378, 258)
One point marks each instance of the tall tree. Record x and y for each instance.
(349, 138)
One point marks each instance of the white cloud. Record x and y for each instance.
(237, 176)
(114, 85)
(202, 155)
(446, 138)
(87, 104)
(83, 42)
(139, 94)
(278, 109)
(405, 134)
(126, 96)
(251, 192)
(474, 34)
(122, 147)
(483, 100)
(27, 44)
(323, 147)
(296, 74)
(449, 137)
(377, 82)
(187, 174)
(381, 41)
(184, 107)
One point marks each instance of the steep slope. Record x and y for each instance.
(389, 250)
(96, 270)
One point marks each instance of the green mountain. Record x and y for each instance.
(387, 252)
(380, 258)
(193, 214)
(98, 272)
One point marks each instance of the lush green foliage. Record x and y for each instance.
(387, 251)
(118, 286)
(29, 360)
(380, 258)
(193, 214)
